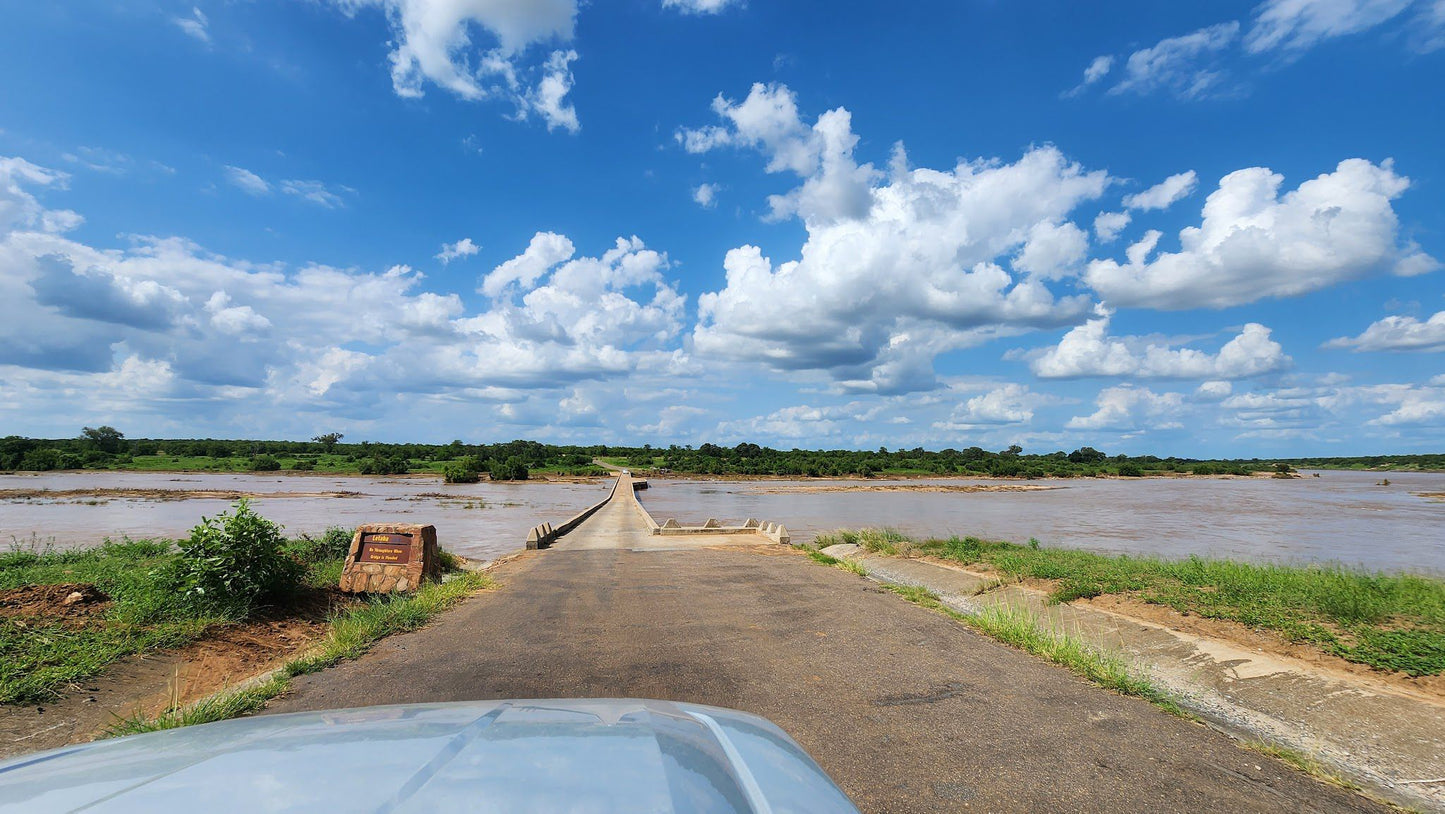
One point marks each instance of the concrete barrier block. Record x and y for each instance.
(712, 524)
(671, 524)
(750, 524)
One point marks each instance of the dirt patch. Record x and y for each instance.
(1432, 495)
(149, 683)
(77, 495)
(912, 487)
(72, 603)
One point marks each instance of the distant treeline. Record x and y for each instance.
(107, 448)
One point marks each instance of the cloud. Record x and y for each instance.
(700, 6)
(1213, 390)
(547, 249)
(1297, 25)
(1108, 225)
(1127, 408)
(225, 332)
(1088, 350)
(316, 192)
(20, 208)
(549, 98)
(1009, 404)
(705, 195)
(1181, 65)
(1096, 70)
(455, 251)
(196, 26)
(897, 267)
(1163, 194)
(1053, 250)
(1397, 333)
(247, 181)
(1254, 244)
(433, 42)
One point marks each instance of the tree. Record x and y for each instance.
(329, 440)
(105, 439)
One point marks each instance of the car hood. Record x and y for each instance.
(598, 755)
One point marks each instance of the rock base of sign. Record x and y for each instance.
(391, 558)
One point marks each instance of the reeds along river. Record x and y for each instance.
(1342, 517)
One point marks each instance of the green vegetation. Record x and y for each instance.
(232, 562)
(108, 448)
(68, 614)
(1021, 629)
(1389, 622)
(145, 613)
(845, 565)
(352, 634)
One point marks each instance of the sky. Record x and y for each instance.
(1195, 229)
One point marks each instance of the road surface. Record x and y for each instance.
(906, 709)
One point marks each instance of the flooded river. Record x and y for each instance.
(1339, 517)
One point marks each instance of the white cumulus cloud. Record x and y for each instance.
(897, 267)
(1089, 350)
(1397, 333)
(482, 49)
(1254, 244)
(1127, 408)
(455, 251)
(705, 195)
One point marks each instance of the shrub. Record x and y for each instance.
(510, 469)
(384, 466)
(264, 463)
(303, 466)
(234, 561)
(465, 470)
(1129, 469)
(333, 544)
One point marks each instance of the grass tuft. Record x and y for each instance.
(1022, 629)
(844, 564)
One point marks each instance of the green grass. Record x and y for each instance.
(846, 565)
(1023, 630)
(1389, 622)
(39, 657)
(352, 634)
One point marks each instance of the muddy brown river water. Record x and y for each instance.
(1340, 517)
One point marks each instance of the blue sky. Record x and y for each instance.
(1196, 229)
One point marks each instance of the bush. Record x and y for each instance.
(333, 544)
(1129, 469)
(465, 470)
(384, 466)
(264, 463)
(303, 466)
(234, 561)
(510, 469)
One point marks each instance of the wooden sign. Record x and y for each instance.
(390, 548)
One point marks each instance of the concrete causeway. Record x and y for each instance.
(623, 522)
(905, 708)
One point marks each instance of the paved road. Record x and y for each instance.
(908, 710)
